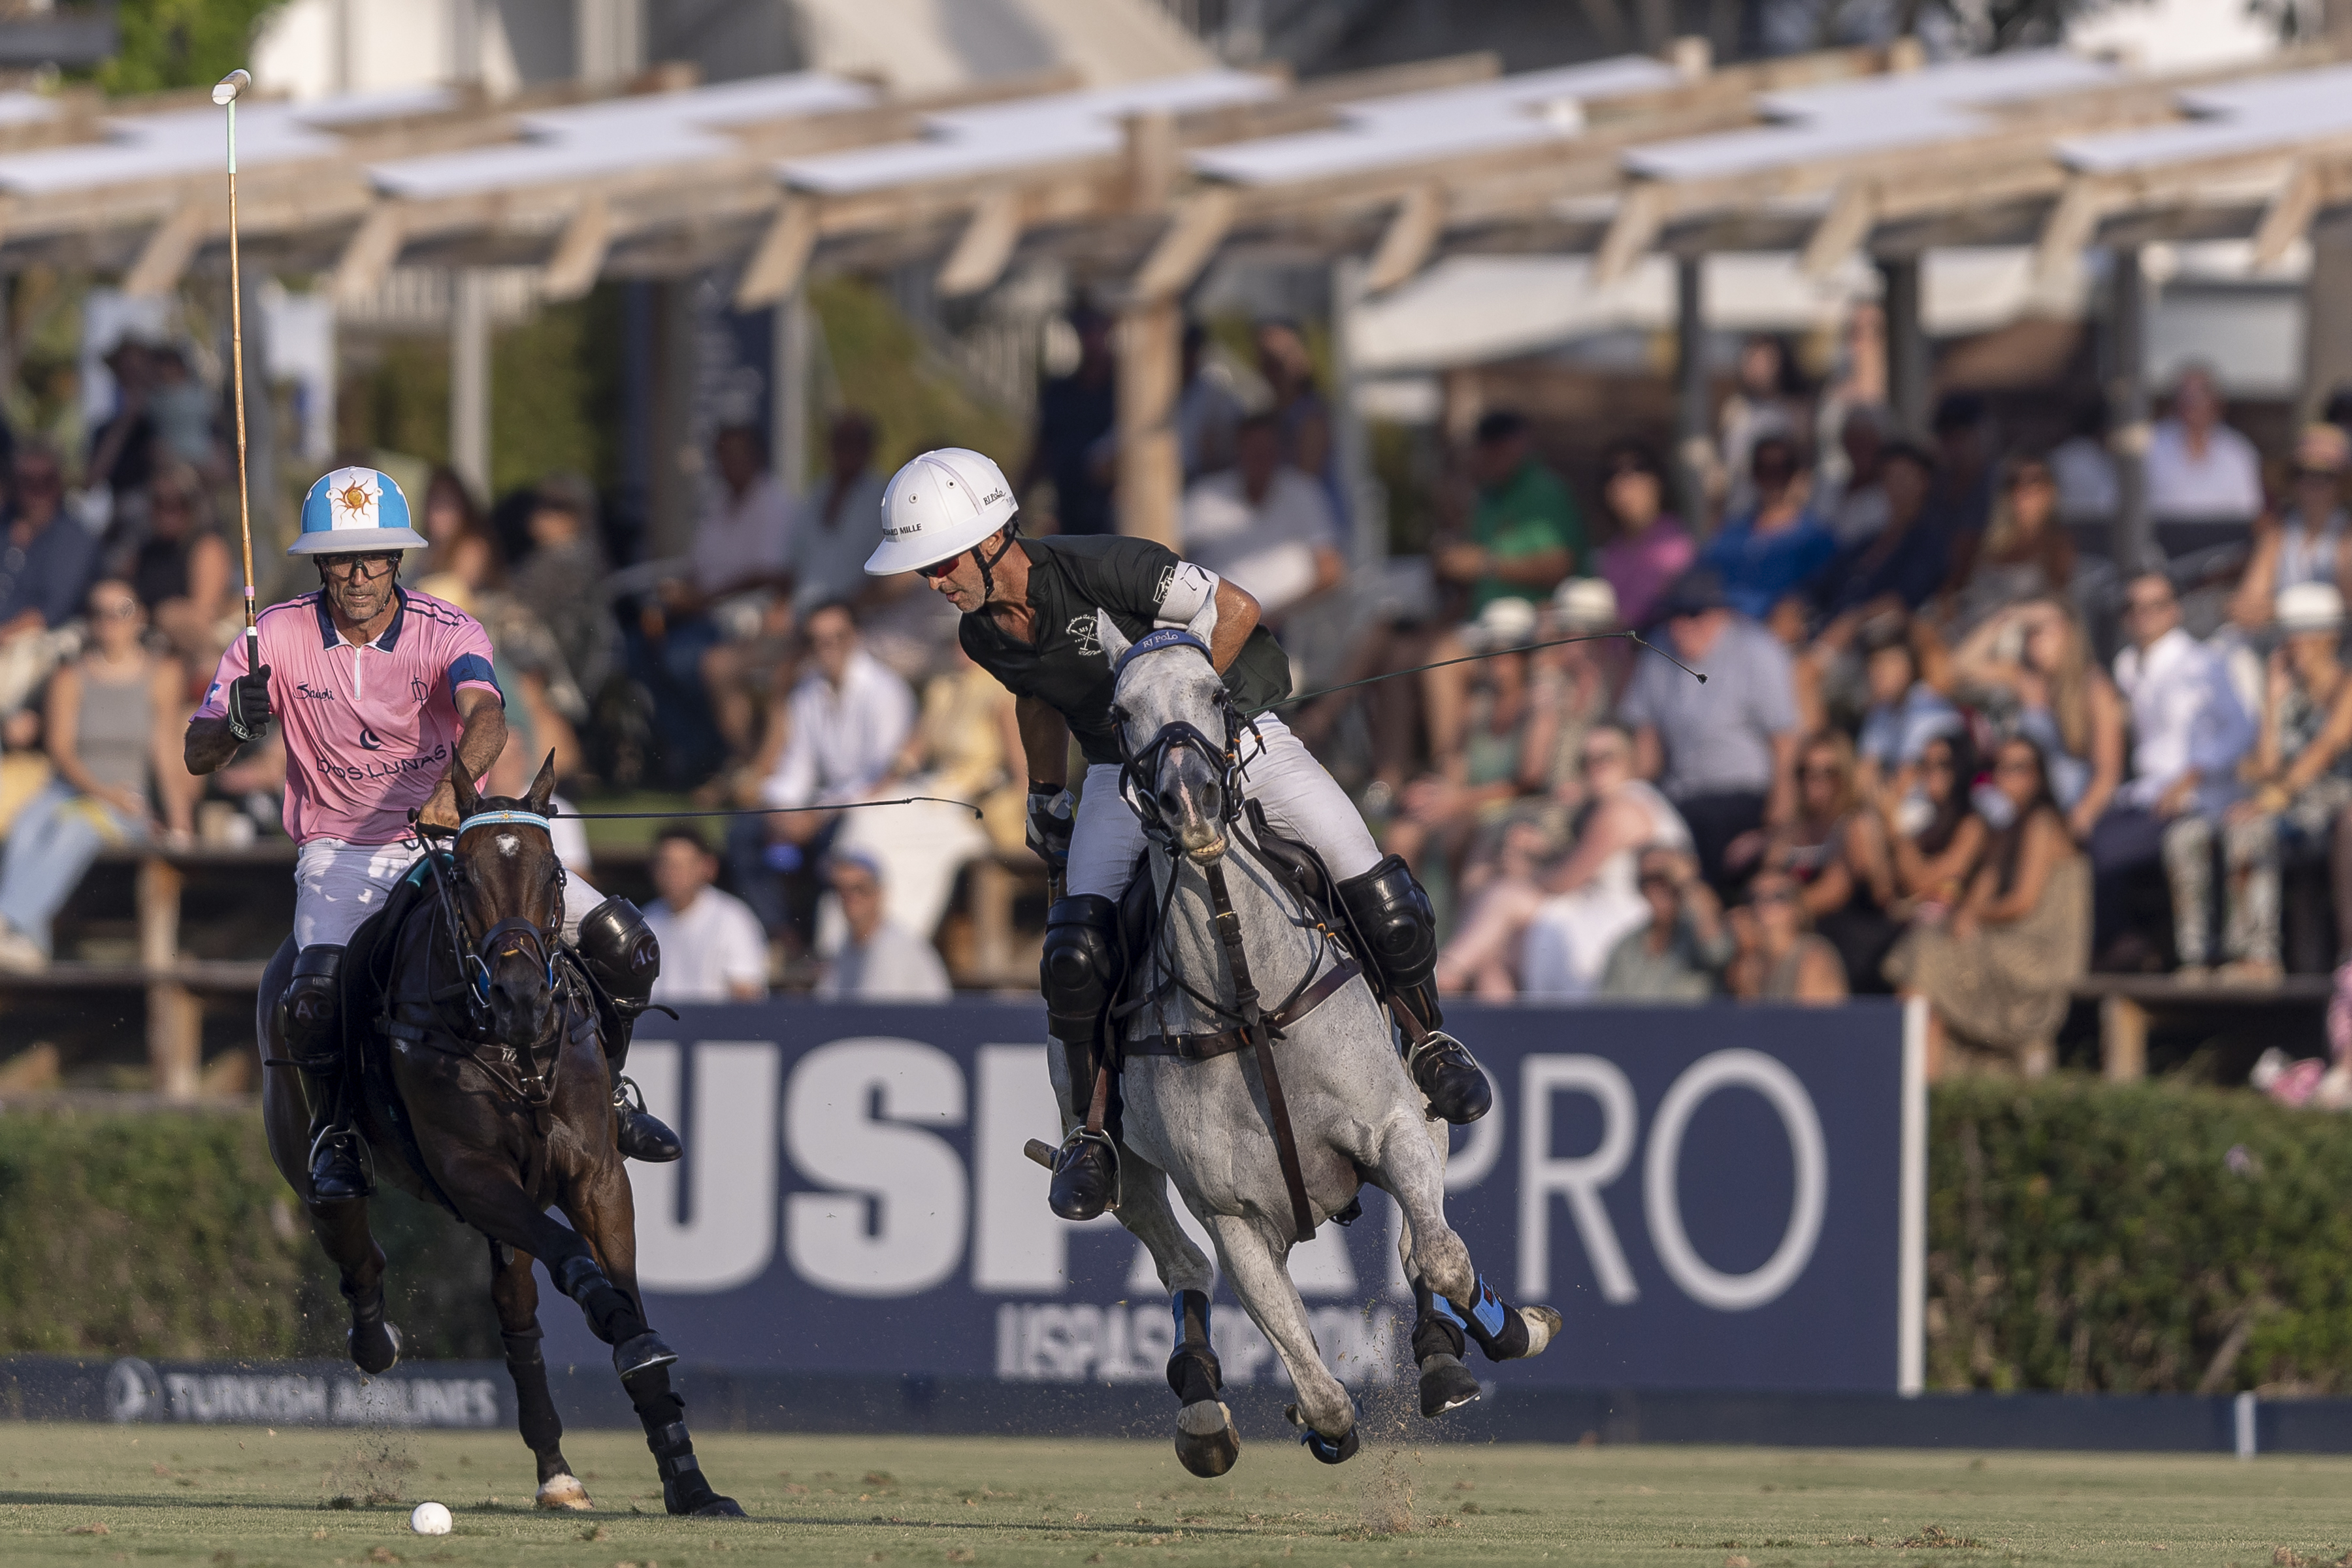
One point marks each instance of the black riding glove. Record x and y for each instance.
(1050, 825)
(249, 705)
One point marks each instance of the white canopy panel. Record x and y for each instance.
(1000, 138)
(2255, 115)
(144, 147)
(620, 135)
(1414, 127)
(1874, 114)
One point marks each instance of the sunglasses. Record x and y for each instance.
(938, 569)
(361, 568)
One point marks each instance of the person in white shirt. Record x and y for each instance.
(881, 961)
(839, 522)
(2189, 733)
(1262, 525)
(712, 947)
(744, 541)
(2199, 469)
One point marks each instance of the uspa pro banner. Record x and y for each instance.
(1714, 1197)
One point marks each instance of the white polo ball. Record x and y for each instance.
(430, 1518)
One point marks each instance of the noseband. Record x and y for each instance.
(1138, 769)
(474, 959)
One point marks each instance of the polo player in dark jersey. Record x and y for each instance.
(1029, 608)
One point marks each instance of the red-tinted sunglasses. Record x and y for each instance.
(939, 569)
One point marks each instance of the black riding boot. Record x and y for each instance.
(1086, 1167)
(311, 1020)
(1397, 934)
(1078, 974)
(621, 951)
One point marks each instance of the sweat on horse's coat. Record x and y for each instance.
(1204, 1123)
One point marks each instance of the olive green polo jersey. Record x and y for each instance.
(1069, 579)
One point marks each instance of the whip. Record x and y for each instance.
(225, 93)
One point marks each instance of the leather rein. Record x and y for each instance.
(1251, 1025)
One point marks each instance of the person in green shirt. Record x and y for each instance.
(1525, 534)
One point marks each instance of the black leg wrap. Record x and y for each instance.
(374, 1343)
(1438, 1347)
(535, 1417)
(1434, 1333)
(1501, 1332)
(1193, 1372)
(685, 1488)
(612, 1315)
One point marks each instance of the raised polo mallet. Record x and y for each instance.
(225, 93)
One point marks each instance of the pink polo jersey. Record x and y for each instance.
(369, 729)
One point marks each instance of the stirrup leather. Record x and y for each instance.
(627, 1095)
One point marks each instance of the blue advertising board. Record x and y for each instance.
(1714, 1197)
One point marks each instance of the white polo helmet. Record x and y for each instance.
(940, 504)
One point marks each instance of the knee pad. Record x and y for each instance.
(1081, 967)
(313, 1006)
(621, 951)
(1396, 927)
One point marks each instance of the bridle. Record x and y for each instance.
(474, 958)
(1139, 768)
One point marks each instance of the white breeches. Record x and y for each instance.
(338, 885)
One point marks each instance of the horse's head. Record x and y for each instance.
(510, 890)
(1178, 735)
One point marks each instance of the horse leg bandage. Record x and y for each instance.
(1488, 1319)
(1193, 1372)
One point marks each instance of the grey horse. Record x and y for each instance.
(1355, 1112)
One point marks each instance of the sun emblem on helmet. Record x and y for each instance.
(353, 498)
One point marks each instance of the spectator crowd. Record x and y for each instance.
(1947, 745)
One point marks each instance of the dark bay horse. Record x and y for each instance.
(478, 1041)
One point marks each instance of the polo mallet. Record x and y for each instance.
(225, 93)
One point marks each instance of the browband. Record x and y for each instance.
(1153, 642)
(493, 819)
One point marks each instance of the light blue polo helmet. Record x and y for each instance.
(353, 511)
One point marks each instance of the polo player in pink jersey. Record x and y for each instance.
(378, 688)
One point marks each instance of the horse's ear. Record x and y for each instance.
(1114, 642)
(542, 788)
(461, 786)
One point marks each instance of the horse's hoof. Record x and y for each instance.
(1206, 1442)
(1543, 1327)
(1446, 1384)
(563, 1491)
(720, 1508)
(377, 1351)
(641, 1353)
(1331, 1451)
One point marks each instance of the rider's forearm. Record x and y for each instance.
(1044, 741)
(1237, 615)
(209, 745)
(484, 738)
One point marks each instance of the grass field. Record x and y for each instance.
(240, 1497)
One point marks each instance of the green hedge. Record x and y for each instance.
(2150, 1238)
(171, 1235)
(2155, 1238)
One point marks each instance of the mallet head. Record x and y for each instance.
(224, 90)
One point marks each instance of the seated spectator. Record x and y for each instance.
(1263, 525)
(1817, 847)
(1776, 547)
(1299, 407)
(1767, 402)
(1903, 564)
(1077, 439)
(1959, 501)
(1813, 659)
(2306, 542)
(1679, 953)
(1648, 549)
(1207, 412)
(2026, 552)
(1921, 844)
(450, 515)
(1557, 927)
(713, 949)
(113, 726)
(2084, 470)
(1525, 534)
(2030, 667)
(2197, 468)
(123, 449)
(1571, 686)
(1724, 753)
(179, 566)
(1861, 508)
(46, 559)
(961, 748)
(1478, 721)
(1996, 975)
(1778, 958)
(881, 960)
(561, 582)
(2302, 765)
(839, 522)
(835, 741)
(1904, 712)
(2189, 735)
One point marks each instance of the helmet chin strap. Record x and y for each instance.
(987, 577)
